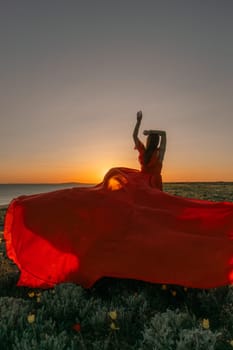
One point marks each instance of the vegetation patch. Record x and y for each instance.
(117, 314)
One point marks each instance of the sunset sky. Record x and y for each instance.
(73, 74)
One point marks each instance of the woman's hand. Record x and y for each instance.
(150, 132)
(139, 116)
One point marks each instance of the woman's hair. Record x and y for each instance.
(151, 146)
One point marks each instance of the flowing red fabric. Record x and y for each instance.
(120, 228)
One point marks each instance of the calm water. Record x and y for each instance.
(10, 191)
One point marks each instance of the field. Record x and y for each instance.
(117, 314)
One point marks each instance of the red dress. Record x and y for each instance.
(121, 228)
(153, 168)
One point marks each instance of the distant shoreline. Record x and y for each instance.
(48, 183)
(94, 184)
(198, 182)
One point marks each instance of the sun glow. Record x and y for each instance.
(116, 182)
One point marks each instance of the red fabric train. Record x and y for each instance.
(120, 228)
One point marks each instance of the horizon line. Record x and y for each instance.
(96, 183)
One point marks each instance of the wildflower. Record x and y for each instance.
(38, 295)
(164, 287)
(113, 326)
(31, 318)
(205, 323)
(31, 294)
(77, 327)
(231, 342)
(113, 315)
(173, 292)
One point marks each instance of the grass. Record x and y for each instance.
(117, 314)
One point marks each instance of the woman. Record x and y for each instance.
(151, 156)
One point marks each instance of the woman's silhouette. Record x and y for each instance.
(151, 156)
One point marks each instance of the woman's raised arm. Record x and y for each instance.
(136, 129)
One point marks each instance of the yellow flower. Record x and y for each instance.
(38, 295)
(31, 318)
(113, 326)
(164, 287)
(231, 342)
(205, 323)
(31, 294)
(173, 292)
(113, 315)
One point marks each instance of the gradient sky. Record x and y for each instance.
(73, 74)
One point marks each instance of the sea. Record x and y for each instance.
(11, 191)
